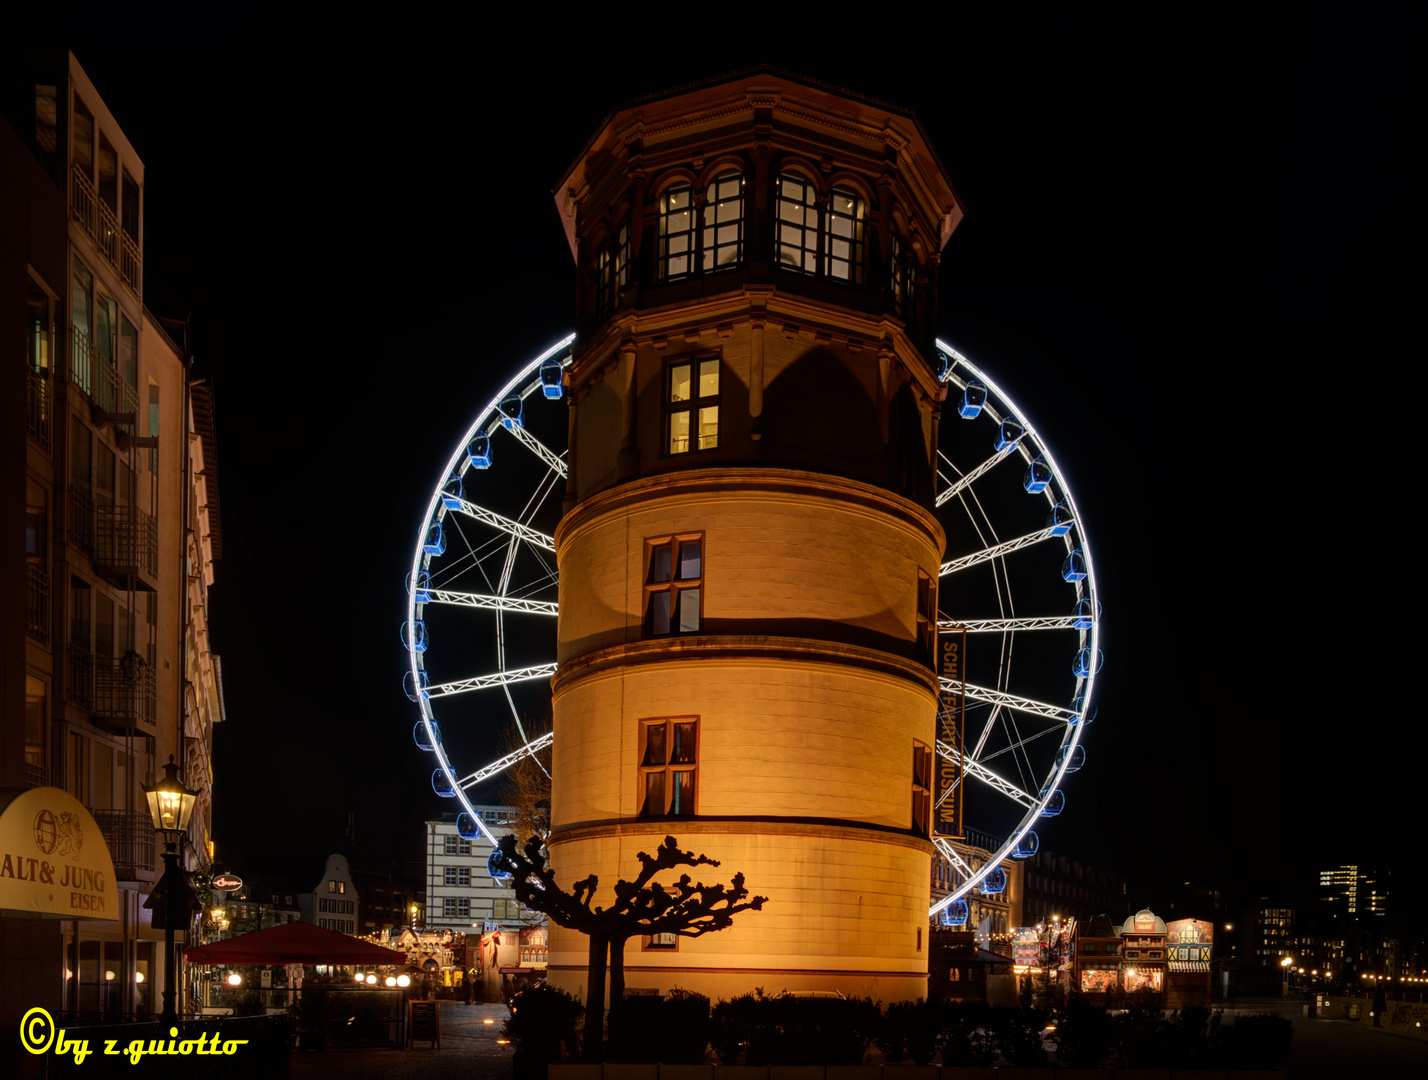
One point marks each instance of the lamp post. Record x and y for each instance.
(170, 805)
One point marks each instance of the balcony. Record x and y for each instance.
(80, 685)
(130, 839)
(36, 775)
(126, 545)
(37, 603)
(96, 217)
(125, 695)
(39, 399)
(113, 399)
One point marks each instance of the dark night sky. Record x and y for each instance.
(1180, 256)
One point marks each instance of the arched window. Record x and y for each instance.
(704, 235)
(827, 241)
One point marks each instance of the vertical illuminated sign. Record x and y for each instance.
(951, 728)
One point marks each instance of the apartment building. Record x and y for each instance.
(108, 494)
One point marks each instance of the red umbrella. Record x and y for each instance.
(293, 943)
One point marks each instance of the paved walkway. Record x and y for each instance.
(1344, 1049)
(468, 1050)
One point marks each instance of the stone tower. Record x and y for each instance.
(748, 558)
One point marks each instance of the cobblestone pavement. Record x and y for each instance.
(468, 1051)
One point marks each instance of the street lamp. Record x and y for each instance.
(170, 806)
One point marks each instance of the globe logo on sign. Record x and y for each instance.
(46, 832)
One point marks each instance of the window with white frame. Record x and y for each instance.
(456, 907)
(820, 237)
(703, 233)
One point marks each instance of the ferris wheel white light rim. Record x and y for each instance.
(489, 417)
(1085, 683)
(435, 511)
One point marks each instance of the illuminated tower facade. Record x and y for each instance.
(748, 557)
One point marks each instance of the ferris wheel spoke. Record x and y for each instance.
(952, 855)
(996, 551)
(971, 477)
(1021, 743)
(994, 626)
(491, 603)
(485, 682)
(505, 524)
(539, 449)
(532, 747)
(994, 781)
(1012, 701)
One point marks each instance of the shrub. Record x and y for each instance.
(1141, 1032)
(967, 1037)
(248, 1003)
(673, 1029)
(1020, 1035)
(1192, 1038)
(1257, 1041)
(1084, 1034)
(758, 1029)
(542, 1019)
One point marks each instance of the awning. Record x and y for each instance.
(1195, 967)
(293, 943)
(54, 863)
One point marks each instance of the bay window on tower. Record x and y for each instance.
(703, 234)
(817, 237)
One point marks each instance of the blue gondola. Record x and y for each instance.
(441, 785)
(1086, 613)
(414, 636)
(1059, 521)
(1076, 760)
(1038, 475)
(453, 491)
(1080, 702)
(944, 366)
(479, 451)
(1088, 661)
(955, 913)
(1055, 804)
(414, 684)
(1009, 434)
(973, 398)
(995, 882)
(1074, 567)
(421, 594)
(496, 866)
(550, 376)
(1026, 846)
(466, 826)
(421, 735)
(512, 411)
(435, 542)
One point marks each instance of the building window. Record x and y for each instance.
(921, 788)
(673, 590)
(457, 875)
(722, 239)
(456, 907)
(668, 761)
(676, 232)
(797, 224)
(613, 269)
(692, 405)
(455, 845)
(666, 942)
(843, 236)
(926, 616)
(817, 240)
(506, 909)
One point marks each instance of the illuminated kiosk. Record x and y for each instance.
(748, 557)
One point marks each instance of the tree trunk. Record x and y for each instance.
(617, 974)
(595, 998)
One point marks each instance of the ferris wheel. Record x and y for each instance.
(1018, 580)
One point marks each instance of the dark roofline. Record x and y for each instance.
(744, 73)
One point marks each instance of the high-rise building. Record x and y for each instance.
(108, 474)
(748, 555)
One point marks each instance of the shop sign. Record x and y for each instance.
(53, 859)
(951, 726)
(227, 882)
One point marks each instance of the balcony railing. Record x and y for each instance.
(37, 603)
(129, 835)
(126, 542)
(80, 687)
(98, 377)
(40, 401)
(97, 219)
(36, 775)
(81, 520)
(125, 694)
